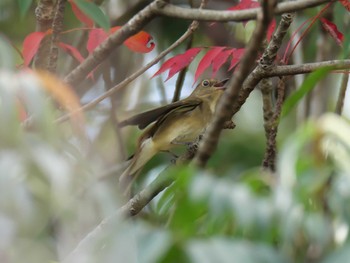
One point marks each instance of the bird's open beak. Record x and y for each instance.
(221, 84)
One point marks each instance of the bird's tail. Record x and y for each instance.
(141, 157)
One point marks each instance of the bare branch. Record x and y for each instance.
(342, 92)
(278, 71)
(268, 109)
(57, 26)
(224, 108)
(238, 16)
(44, 14)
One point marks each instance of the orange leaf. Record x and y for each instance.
(31, 45)
(63, 94)
(142, 42)
(80, 15)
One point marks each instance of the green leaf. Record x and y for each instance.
(305, 88)
(224, 250)
(346, 49)
(338, 256)
(94, 12)
(6, 54)
(24, 6)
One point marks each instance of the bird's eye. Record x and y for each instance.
(205, 83)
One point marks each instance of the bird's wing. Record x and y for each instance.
(142, 120)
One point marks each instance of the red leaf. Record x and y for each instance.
(75, 54)
(245, 4)
(175, 64)
(31, 45)
(80, 15)
(332, 29)
(345, 3)
(96, 37)
(71, 51)
(220, 59)
(206, 61)
(236, 56)
(271, 29)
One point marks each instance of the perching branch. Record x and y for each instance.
(224, 108)
(271, 114)
(342, 92)
(278, 71)
(266, 88)
(271, 145)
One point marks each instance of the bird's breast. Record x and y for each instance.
(181, 129)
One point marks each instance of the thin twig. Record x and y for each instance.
(266, 90)
(181, 77)
(271, 145)
(342, 92)
(237, 16)
(113, 116)
(265, 69)
(284, 70)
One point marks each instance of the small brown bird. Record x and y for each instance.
(180, 122)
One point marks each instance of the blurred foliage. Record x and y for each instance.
(57, 182)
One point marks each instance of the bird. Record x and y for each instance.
(180, 122)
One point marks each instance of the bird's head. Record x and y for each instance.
(209, 87)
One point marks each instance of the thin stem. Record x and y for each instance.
(342, 92)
